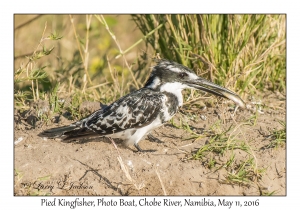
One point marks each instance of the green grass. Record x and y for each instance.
(242, 52)
(86, 68)
(229, 143)
(277, 137)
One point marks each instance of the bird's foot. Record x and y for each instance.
(141, 150)
(154, 139)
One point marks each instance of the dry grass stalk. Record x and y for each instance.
(161, 182)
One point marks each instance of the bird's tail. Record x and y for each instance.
(68, 132)
(58, 132)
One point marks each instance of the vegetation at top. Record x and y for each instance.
(102, 57)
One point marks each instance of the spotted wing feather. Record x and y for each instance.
(135, 110)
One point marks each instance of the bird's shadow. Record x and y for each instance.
(105, 180)
(104, 139)
(93, 139)
(107, 140)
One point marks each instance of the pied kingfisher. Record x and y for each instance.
(134, 115)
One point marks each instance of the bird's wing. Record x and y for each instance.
(135, 110)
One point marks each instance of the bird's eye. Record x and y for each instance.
(182, 74)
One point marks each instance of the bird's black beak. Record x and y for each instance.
(210, 87)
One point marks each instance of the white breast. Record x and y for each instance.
(134, 135)
(174, 88)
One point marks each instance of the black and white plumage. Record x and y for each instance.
(133, 116)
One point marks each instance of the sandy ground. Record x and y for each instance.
(93, 166)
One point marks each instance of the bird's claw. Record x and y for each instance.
(141, 150)
(154, 139)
